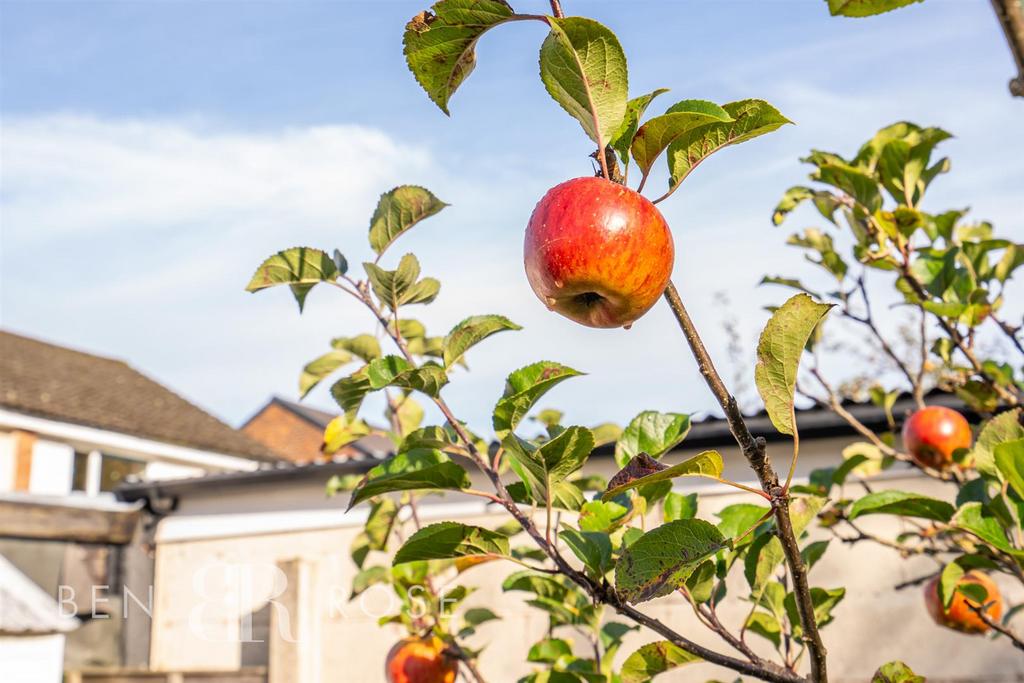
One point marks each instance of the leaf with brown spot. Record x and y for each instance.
(661, 560)
(642, 469)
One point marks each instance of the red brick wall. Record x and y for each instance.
(286, 433)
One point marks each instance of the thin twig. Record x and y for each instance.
(982, 612)
(556, 9)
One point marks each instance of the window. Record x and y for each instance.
(115, 470)
(105, 474)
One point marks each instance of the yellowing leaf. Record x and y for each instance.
(778, 356)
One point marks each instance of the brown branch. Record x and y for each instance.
(556, 9)
(955, 336)
(982, 612)
(754, 451)
(763, 670)
(869, 321)
(1010, 14)
(1010, 332)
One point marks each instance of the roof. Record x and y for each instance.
(316, 417)
(373, 445)
(25, 608)
(814, 423)
(58, 383)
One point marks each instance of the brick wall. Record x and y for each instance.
(287, 434)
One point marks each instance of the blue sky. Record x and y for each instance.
(153, 153)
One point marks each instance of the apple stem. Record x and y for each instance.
(754, 450)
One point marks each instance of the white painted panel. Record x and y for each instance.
(159, 469)
(52, 468)
(6, 463)
(32, 659)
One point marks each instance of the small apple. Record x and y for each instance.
(420, 660)
(597, 252)
(960, 616)
(933, 434)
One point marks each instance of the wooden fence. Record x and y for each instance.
(121, 675)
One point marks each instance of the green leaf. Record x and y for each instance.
(813, 552)
(1001, 428)
(680, 506)
(413, 470)
(479, 615)
(635, 109)
(584, 69)
(472, 331)
(653, 659)
(643, 470)
(751, 118)
(948, 580)
(523, 388)
(594, 549)
(447, 540)
(440, 46)
(973, 517)
(1010, 462)
(859, 185)
(901, 503)
(380, 522)
(738, 518)
(896, 672)
(564, 496)
(656, 135)
(342, 431)
(824, 601)
(542, 467)
(865, 8)
(778, 356)
(652, 433)
(316, 370)
(365, 578)
(601, 516)
(349, 392)
(973, 592)
(398, 372)
(549, 650)
(766, 553)
(825, 202)
(766, 626)
(399, 210)
(402, 286)
(299, 267)
(661, 560)
(364, 346)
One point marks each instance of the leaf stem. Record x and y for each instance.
(742, 487)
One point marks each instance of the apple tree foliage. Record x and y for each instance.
(589, 553)
(950, 275)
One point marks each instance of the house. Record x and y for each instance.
(295, 432)
(274, 531)
(73, 427)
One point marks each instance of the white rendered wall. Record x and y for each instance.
(32, 659)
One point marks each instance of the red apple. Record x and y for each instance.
(960, 616)
(597, 252)
(932, 434)
(420, 660)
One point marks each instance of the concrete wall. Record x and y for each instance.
(219, 558)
